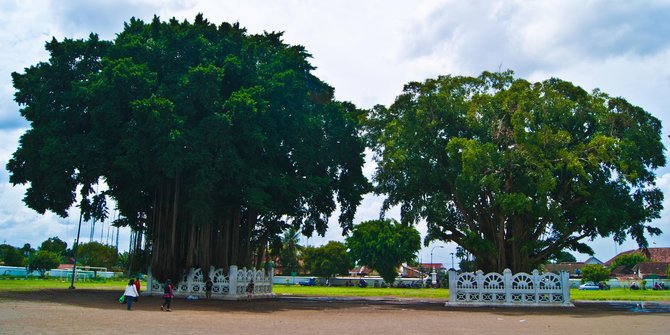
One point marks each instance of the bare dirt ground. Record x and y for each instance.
(83, 311)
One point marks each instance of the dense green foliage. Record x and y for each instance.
(11, 256)
(515, 171)
(628, 260)
(595, 273)
(55, 245)
(289, 254)
(210, 140)
(383, 245)
(97, 254)
(328, 260)
(43, 261)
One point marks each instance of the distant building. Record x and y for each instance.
(593, 260)
(360, 271)
(655, 254)
(423, 270)
(572, 268)
(651, 270)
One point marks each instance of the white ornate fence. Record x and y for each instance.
(230, 286)
(521, 289)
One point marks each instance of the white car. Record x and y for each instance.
(589, 286)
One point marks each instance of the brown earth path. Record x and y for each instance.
(81, 311)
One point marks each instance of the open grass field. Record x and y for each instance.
(21, 285)
(615, 294)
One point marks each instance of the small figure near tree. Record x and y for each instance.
(167, 296)
(208, 288)
(250, 289)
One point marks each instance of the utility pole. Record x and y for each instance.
(76, 246)
(433, 274)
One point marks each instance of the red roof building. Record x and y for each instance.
(655, 254)
(651, 269)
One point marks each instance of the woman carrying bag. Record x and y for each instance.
(130, 294)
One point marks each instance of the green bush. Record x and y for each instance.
(43, 261)
(595, 273)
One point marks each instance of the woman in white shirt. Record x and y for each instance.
(130, 293)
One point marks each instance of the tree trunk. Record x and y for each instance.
(235, 237)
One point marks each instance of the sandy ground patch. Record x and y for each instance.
(83, 311)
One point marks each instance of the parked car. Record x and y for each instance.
(589, 286)
(308, 282)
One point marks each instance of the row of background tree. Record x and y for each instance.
(54, 251)
(365, 246)
(381, 244)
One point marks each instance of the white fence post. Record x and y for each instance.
(480, 285)
(507, 277)
(536, 285)
(565, 286)
(453, 285)
(232, 280)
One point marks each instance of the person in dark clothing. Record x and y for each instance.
(208, 288)
(167, 296)
(250, 289)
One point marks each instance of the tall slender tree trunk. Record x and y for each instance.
(235, 237)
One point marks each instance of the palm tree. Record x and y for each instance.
(290, 250)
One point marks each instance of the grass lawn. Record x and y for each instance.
(335, 291)
(575, 294)
(340, 291)
(620, 294)
(31, 284)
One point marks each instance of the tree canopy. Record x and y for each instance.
(289, 252)
(327, 260)
(97, 254)
(383, 245)
(43, 261)
(209, 139)
(11, 256)
(629, 260)
(55, 245)
(515, 171)
(595, 273)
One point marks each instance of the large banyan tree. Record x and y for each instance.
(515, 172)
(210, 140)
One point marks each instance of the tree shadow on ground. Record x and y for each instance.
(104, 299)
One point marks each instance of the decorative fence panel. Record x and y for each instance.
(521, 289)
(231, 285)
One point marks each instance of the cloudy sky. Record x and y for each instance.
(368, 50)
